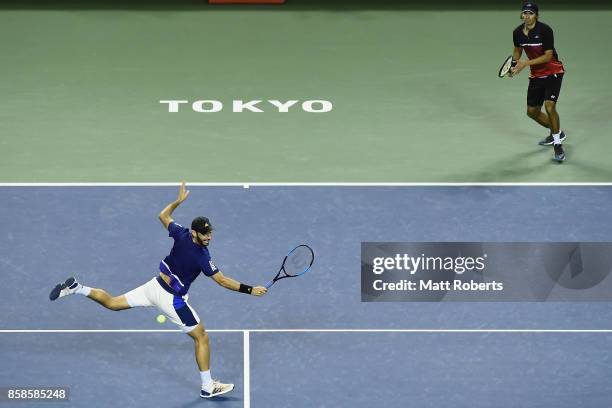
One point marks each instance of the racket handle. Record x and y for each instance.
(269, 284)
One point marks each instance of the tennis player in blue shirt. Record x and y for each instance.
(168, 291)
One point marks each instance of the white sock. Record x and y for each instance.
(206, 380)
(83, 290)
(557, 138)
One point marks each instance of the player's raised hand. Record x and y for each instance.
(183, 192)
(259, 291)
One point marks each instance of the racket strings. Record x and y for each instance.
(298, 261)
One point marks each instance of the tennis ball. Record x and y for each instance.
(161, 318)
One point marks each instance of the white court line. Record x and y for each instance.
(307, 184)
(312, 331)
(108, 331)
(247, 369)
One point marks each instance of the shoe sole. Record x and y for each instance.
(59, 287)
(559, 160)
(217, 394)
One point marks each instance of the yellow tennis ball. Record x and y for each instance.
(161, 318)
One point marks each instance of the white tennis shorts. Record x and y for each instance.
(175, 307)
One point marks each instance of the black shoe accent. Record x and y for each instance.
(56, 291)
(70, 282)
(59, 287)
(559, 153)
(547, 141)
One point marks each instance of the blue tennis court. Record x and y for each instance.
(309, 342)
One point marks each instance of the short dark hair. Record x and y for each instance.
(201, 225)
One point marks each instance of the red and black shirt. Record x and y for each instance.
(539, 40)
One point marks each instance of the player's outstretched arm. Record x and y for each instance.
(234, 285)
(166, 215)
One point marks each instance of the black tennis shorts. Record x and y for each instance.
(544, 89)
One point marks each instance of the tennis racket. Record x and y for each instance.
(297, 262)
(506, 67)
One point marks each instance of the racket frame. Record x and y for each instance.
(282, 268)
(506, 67)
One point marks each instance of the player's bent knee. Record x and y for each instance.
(550, 106)
(199, 334)
(202, 337)
(533, 112)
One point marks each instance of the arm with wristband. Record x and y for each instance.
(517, 51)
(234, 285)
(516, 55)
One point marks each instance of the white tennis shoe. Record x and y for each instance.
(217, 388)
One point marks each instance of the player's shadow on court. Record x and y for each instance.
(511, 168)
(598, 172)
(218, 401)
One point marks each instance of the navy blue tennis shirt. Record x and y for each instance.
(186, 260)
